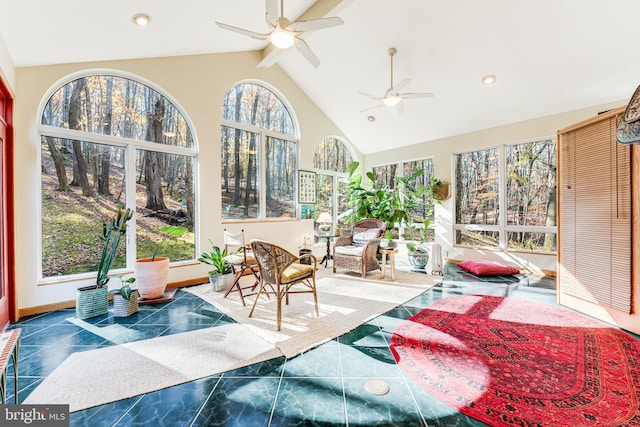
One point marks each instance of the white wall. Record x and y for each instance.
(198, 83)
(7, 70)
(442, 152)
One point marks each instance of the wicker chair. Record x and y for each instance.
(359, 253)
(280, 270)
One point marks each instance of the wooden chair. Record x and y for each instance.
(280, 270)
(242, 261)
(357, 252)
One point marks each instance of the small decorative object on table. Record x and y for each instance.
(324, 223)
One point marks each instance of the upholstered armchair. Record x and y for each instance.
(357, 252)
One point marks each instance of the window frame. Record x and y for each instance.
(130, 146)
(262, 135)
(502, 228)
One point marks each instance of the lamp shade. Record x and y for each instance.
(325, 217)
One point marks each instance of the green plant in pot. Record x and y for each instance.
(92, 300)
(387, 242)
(220, 275)
(418, 254)
(125, 299)
(152, 273)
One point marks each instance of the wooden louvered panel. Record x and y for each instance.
(567, 234)
(595, 193)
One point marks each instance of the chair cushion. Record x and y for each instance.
(238, 258)
(350, 250)
(362, 235)
(295, 271)
(488, 268)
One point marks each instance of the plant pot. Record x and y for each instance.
(91, 301)
(152, 277)
(418, 259)
(386, 244)
(123, 307)
(220, 282)
(441, 192)
(304, 252)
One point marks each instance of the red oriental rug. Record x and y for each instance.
(512, 362)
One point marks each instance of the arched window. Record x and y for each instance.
(331, 161)
(109, 141)
(259, 152)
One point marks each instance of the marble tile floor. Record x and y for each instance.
(322, 387)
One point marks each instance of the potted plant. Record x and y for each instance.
(387, 242)
(418, 254)
(152, 273)
(220, 275)
(92, 300)
(439, 189)
(125, 299)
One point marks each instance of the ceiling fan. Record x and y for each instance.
(392, 96)
(284, 33)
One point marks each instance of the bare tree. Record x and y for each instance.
(105, 152)
(152, 165)
(75, 122)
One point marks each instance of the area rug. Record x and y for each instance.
(345, 302)
(95, 377)
(511, 362)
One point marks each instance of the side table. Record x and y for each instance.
(9, 347)
(327, 257)
(392, 262)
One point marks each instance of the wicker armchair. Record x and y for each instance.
(280, 270)
(357, 252)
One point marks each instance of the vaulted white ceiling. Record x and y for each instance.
(549, 56)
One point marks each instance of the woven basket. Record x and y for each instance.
(123, 307)
(91, 301)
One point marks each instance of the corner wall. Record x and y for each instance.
(7, 70)
(442, 151)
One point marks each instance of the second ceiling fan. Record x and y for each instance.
(284, 33)
(393, 97)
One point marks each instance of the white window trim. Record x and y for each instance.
(503, 229)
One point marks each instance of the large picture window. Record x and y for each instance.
(505, 197)
(109, 141)
(331, 161)
(258, 151)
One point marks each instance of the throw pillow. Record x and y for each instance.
(362, 235)
(488, 268)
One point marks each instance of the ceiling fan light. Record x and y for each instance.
(489, 79)
(390, 101)
(282, 39)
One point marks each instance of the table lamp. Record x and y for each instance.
(324, 223)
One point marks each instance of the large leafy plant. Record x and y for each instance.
(392, 205)
(216, 259)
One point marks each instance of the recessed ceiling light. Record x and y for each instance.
(371, 118)
(489, 79)
(141, 19)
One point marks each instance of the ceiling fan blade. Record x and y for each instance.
(371, 108)
(243, 31)
(416, 95)
(306, 51)
(377, 98)
(401, 84)
(315, 24)
(271, 14)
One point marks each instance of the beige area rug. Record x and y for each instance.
(100, 376)
(346, 301)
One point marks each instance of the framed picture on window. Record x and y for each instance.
(306, 187)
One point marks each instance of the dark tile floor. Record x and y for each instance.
(322, 387)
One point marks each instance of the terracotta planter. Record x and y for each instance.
(441, 192)
(152, 277)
